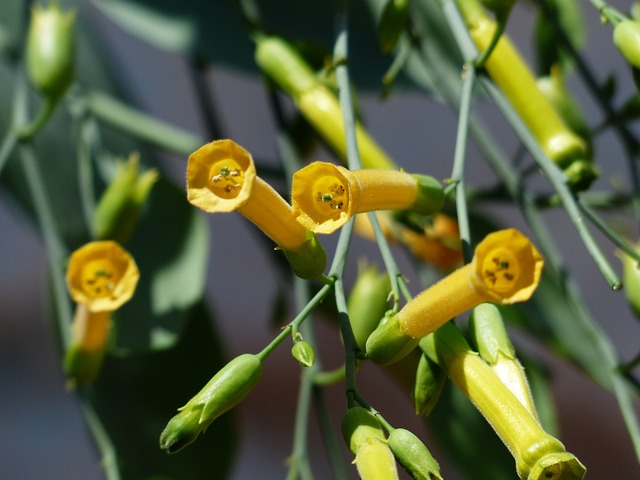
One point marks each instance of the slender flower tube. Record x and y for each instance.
(221, 177)
(326, 196)
(538, 455)
(505, 268)
(514, 78)
(365, 437)
(101, 277)
(319, 105)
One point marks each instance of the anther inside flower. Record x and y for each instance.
(220, 177)
(102, 276)
(326, 196)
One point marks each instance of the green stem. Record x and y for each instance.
(56, 251)
(109, 457)
(138, 124)
(608, 12)
(331, 442)
(459, 163)
(28, 131)
(8, 145)
(301, 317)
(330, 377)
(86, 128)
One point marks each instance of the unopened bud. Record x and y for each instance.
(413, 455)
(50, 49)
(429, 382)
(119, 207)
(393, 21)
(224, 391)
(626, 37)
(303, 353)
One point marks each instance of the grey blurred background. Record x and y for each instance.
(42, 435)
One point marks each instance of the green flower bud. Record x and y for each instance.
(50, 49)
(117, 212)
(392, 23)
(429, 382)
(413, 455)
(631, 281)
(224, 391)
(303, 353)
(430, 195)
(626, 37)
(581, 174)
(365, 437)
(367, 303)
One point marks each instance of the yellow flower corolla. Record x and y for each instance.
(221, 177)
(326, 196)
(505, 269)
(102, 276)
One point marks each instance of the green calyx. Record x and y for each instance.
(392, 22)
(429, 382)
(631, 281)
(224, 391)
(388, 344)
(430, 195)
(581, 174)
(488, 331)
(413, 455)
(309, 260)
(50, 50)
(82, 366)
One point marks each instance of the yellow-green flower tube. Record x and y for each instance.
(101, 277)
(516, 81)
(538, 455)
(506, 269)
(221, 177)
(326, 196)
(319, 105)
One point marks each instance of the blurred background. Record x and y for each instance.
(42, 434)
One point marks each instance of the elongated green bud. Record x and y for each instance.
(631, 281)
(224, 391)
(303, 353)
(50, 49)
(626, 37)
(429, 382)
(118, 209)
(494, 346)
(393, 21)
(365, 437)
(367, 303)
(413, 455)
(319, 105)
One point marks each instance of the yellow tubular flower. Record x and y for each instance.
(102, 276)
(326, 196)
(221, 177)
(505, 269)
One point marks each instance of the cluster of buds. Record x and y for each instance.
(101, 277)
(376, 454)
